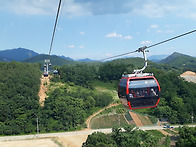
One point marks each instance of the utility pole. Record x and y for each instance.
(37, 126)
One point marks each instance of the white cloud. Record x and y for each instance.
(153, 8)
(30, 7)
(42, 7)
(128, 37)
(154, 26)
(113, 35)
(167, 31)
(146, 42)
(71, 46)
(107, 55)
(159, 31)
(82, 33)
(81, 46)
(59, 28)
(149, 8)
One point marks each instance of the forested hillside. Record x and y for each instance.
(55, 60)
(69, 104)
(178, 97)
(19, 85)
(182, 61)
(66, 108)
(17, 54)
(132, 137)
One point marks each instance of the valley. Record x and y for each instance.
(83, 98)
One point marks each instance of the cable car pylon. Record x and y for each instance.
(46, 67)
(47, 62)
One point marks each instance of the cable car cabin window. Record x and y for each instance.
(143, 87)
(143, 93)
(122, 88)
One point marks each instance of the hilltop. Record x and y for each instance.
(17, 54)
(29, 56)
(55, 60)
(178, 59)
(181, 61)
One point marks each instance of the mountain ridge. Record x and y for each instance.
(180, 60)
(26, 55)
(17, 54)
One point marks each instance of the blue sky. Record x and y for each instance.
(98, 29)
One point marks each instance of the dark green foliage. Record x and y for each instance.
(187, 137)
(131, 137)
(80, 74)
(109, 71)
(113, 70)
(19, 86)
(178, 97)
(98, 139)
(69, 109)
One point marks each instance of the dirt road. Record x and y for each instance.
(136, 119)
(45, 81)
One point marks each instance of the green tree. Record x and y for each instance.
(187, 137)
(98, 139)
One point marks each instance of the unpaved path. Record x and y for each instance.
(164, 132)
(136, 119)
(45, 81)
(93, 115)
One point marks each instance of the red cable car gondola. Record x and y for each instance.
(139, 90)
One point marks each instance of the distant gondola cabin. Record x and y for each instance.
(45, 74)
(55, 72)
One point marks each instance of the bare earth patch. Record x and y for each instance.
(45, 81)
(29, 143)
(189, 76)
(73, 141)
(136, 119)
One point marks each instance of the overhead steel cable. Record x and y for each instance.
(171, 38)
(57, 15)
(145, 47)
(118, 55)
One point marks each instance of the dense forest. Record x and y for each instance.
(128, 136)
(67, 109)
(68, 105)
(178, 97)
(19, 101)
